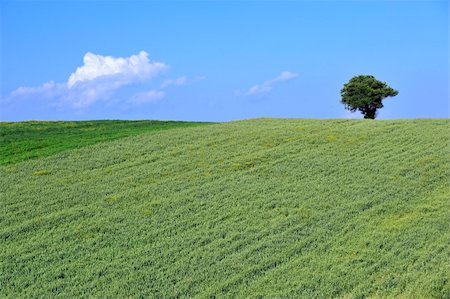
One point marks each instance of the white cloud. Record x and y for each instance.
(44, 88)
(147, 96)
(268, 85)
(48, 90)
(125, 70)
(98, 79)
(84, 94)
(180, 81)
(284, 76)
(177, 82)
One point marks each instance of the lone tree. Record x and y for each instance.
(365, 93)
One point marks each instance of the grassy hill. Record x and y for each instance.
(21, 141)
(265, 207)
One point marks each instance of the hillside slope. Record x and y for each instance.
(269, 207)
(20, 141)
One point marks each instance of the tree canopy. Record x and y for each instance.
(365, 93)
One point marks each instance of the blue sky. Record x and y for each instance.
(218, 60)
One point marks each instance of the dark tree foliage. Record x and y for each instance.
(365, 93)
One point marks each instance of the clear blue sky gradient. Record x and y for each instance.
(234, 45)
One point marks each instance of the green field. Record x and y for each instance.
(21, 141)
(259, 208)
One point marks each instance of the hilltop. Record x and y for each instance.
(262, 207)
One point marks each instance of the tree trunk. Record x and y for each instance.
(370, 113)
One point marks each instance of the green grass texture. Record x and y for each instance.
(262, 208)
(21, 141)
